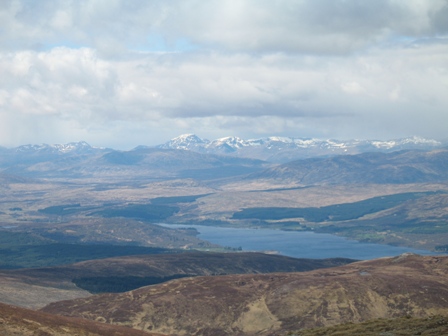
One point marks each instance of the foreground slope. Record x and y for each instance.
(401, 326)
(264, 304)
(25, 322)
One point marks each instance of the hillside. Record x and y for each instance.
(380, 168)
(36, 287)
(24, 322)
(56, 243)
(87, 162)
(280, 302)
(402, 326)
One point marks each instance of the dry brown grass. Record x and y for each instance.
(271, 303)
(403, 326)
(16, 321)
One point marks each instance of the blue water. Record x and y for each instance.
(297, 244)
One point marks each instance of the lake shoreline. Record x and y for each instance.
(298, 244)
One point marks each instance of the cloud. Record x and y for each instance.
(320, 26)
(132, 72)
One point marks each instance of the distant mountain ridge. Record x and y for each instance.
(399, 167)
(79, 159)
(273, 148)
(70, 147)
(44, 157)
(284, 149)
(54, 150)
(193, 157)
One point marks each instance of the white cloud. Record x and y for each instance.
(352, 87)
(76, 70)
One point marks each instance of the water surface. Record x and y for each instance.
(297, 244)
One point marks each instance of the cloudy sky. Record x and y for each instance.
(121, 73)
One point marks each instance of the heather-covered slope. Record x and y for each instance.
(401, 326)
(36, 287)
(16, 321)
(276, 303)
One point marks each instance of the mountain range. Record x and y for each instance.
(271, 149)
(306, 161)
(284, 149)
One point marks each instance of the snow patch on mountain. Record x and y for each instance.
(281, 149)
(228, 144)
(185, 142)
(415, 140)
(72, 147)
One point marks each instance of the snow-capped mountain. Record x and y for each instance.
(283, 149)
(72, 147)
(185, 141)
(27, 154)
(228, 144)
(179, 157)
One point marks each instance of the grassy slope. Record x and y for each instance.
(25, 322)
(403, 326)
(268, 304)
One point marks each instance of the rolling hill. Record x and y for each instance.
(83, 161)
(36, 287)
(25, 322)
(378, 168)
(267, 304)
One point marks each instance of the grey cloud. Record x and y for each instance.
(321, 26)
(44, 24)
(439, 19)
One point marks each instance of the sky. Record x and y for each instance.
(120, 73)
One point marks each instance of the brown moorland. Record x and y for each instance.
(401, 326)
(37, 287)
(271, 304)
(25, 322)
